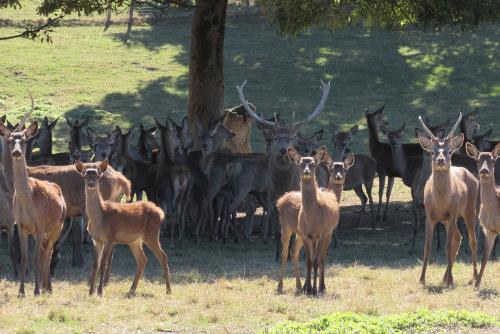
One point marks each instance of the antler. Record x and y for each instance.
(325, 88)
(426, 129)
(455, 127)
(249, 110)
(26, 115)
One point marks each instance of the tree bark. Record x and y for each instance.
(206, 64)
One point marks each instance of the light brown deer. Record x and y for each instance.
(237, 121)
(289, 209)
(450, 193)
(318, 218)
(39, 209)
(133, 224)
(490, 200)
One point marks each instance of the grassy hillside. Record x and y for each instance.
(89, 72)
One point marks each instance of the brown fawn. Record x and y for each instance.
(318, 217)
(124, 223)
(289, 208)
(38, 206)
(490, 199)
(449, 193)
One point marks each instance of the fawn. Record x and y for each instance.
(124, 223)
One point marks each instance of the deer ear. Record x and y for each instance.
(102, 166)
(425, 141)
(349, 160)
(318, 135)
(68, 122)
(31, 130)
(353, 130)
(456, 142)
(4, 130)
(496, 151)
(321, 155)
(79, 167)
(45, 121)
(472, 151)
(293, 155)
(53, 124)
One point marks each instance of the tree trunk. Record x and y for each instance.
(206, 64)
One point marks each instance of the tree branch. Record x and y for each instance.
(32, 32)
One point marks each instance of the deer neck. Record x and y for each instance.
(441, 182)
(94, 204)
(399, 159)
(373, 139)
(20, 178)
(7, 165)
(336, 188)
(309, 193)
(489, 197)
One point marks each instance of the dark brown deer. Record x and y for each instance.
(77, 135)
(39, 209)
(282, 174)
(289, 208)
(147, 145)
(133, 224)
(45, 156)
(490, 200)
(101, 147)
(450, 192)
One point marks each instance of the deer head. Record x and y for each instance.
(76, 134)
(338, 170)
(92, 175)
(101, 147)
(375, 118)
(17, 141)
(481, 140)
(212, 138)
(147, 144)
(485, 160)
(77, 154)
(307, 165)
(468, 125)
(341, 140)
(441, 150)
(44, 136)
(283, 136)
(307, 146)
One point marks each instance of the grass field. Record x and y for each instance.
(231, 288)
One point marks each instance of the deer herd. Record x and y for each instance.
(197, 179)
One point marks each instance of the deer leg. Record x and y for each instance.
(23, 240)
(323, 249)
(12, 249)
(335, 238)
(98, 247)
(140, 260)
(108, 247)
(452, 245)
(309, 254)
(439, 227)
(471, 233)
(315, 266)
(297, 246)
(390, 184)
(77, 241)
(107, 272)
(38, 262)
(154, 246)
(489, 240)
(429, 230)
(416, 220)
(381, 185)
(285, 241)
(361, 195)
(368, 188)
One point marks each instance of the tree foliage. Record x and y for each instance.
(293, 16)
